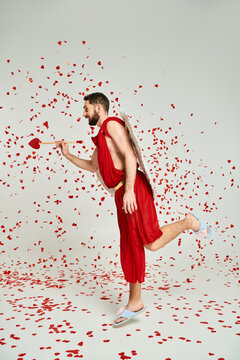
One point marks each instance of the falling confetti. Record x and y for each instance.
(41, 184)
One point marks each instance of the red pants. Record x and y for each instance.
(136, 229)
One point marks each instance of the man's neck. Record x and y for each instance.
(101, 120)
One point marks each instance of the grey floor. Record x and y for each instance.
(62, 312)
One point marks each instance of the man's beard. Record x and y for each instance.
(94, 119)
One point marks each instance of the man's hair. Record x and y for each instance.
(98, 98)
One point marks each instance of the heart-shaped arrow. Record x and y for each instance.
(35, 143)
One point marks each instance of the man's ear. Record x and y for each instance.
(98, 108)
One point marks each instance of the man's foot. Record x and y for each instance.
(130, 307)
(194, 224)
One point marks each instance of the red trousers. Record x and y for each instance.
(136, 229)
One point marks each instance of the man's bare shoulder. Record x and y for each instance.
(120, 137)
(114, 126)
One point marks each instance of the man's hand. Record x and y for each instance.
(63, 147)
(129, 202)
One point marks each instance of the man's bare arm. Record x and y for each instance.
(90, 165)
(94, 160)
(120, 137)
(82, 163)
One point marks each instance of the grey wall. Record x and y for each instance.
(189, 48)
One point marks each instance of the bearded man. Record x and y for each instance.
(114, 158)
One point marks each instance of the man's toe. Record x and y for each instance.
(119, 320)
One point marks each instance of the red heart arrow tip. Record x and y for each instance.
(34, 143)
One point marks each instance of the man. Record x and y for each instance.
(115, 159)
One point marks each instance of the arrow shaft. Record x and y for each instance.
(55, 142)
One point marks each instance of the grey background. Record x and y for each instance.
(191, 50)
